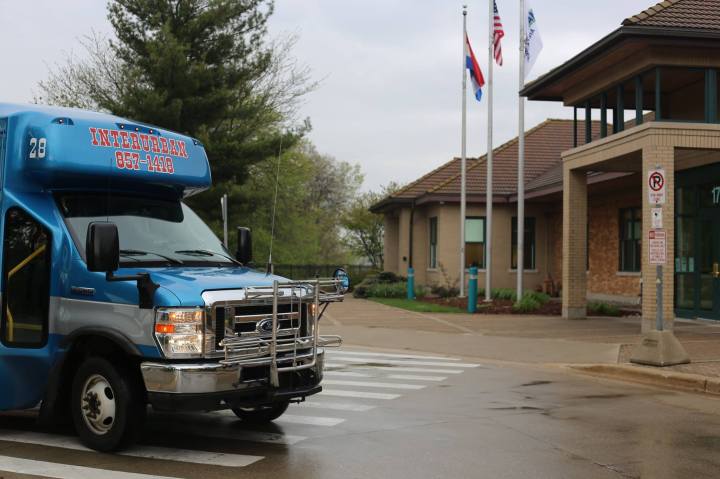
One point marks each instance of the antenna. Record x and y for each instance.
(270, 269)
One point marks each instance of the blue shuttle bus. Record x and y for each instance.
(116, 296)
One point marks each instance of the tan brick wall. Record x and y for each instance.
(391, 243)
(449, 243)
(574, 275)
(604, 276)
(656, 142)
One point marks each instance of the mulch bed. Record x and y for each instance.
(504, 306)
(497, 306)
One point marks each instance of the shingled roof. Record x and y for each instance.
(543, 147)
(693, 14)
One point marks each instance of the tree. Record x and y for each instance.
(200, 67)
(364, 229)
(314, 192)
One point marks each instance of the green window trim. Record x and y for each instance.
(475, 241)
(630, 240)
(433, 232)
(529, 246)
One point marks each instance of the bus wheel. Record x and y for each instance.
(108, 410)
(261, 414)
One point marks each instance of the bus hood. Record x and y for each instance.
(189, 283)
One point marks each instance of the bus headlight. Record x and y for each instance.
(179, 331)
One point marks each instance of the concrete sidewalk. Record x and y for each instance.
(529, 339)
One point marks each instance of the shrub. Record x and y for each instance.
(360, 291)
(387, 290)
(603, 309)
(388, 277)
(444, 291)
(538, 296)
(504, 294)
(527, 304)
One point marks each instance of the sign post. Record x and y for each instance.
(658, 347)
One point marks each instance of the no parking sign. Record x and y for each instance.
(656, 186)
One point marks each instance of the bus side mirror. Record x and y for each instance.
(102, 247)
(244, 246)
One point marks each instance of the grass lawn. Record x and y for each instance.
(417, 306)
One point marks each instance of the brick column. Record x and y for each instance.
(574, 264)
(654, 156)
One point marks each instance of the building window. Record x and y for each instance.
(630, 239)
(475, 242)
(433, 243)
(528, 246)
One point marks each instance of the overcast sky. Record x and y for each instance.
(389, 96)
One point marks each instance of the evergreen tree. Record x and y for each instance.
(200, 67)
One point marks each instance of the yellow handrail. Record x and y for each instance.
(11, 322)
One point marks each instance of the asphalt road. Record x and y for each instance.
(384, 416)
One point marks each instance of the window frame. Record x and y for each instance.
(514, 242)
(3, 304)
(636, 217)
(432, 242)
(483, 242)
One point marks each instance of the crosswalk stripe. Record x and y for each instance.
(231, 435)
(389, 355)
(372, 384)
(358, 394)
(346, 374)
(401, 369)
(406, 363)
(412, 377)
(65, 471)
(147, 452)
(310, 420)
(336, 406)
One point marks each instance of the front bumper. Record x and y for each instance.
(208, 386)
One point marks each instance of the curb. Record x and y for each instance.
(654, 377)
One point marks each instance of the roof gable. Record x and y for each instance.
(690, 14)
(543, 147)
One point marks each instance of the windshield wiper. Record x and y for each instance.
(207, 252)
(137, 252)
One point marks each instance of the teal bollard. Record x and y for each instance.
(473, 290)
(411, 284)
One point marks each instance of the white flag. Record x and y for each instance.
(533, 42)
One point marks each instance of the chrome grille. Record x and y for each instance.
(269, 326)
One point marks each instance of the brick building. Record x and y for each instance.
(653, 85)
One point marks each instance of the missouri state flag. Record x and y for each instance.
(475, 74)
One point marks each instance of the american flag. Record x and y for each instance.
(498, 34)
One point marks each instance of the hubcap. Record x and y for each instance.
(98, 405)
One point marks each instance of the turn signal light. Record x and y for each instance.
(165, 328)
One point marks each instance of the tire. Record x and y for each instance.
(108, 407)
(261, 414)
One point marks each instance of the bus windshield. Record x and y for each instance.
(151, 230)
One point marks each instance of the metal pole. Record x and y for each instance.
(463, 157)
(521, 158)
(489, 187)
(659, 299)
(224, 207)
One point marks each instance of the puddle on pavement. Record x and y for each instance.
(536, 383)
(604, 396)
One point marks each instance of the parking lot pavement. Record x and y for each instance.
(407, 415)
(184, 445)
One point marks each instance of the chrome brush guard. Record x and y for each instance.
(297, 347)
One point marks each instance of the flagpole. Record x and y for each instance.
(489, 157)
(463, 158)
(521, 158)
